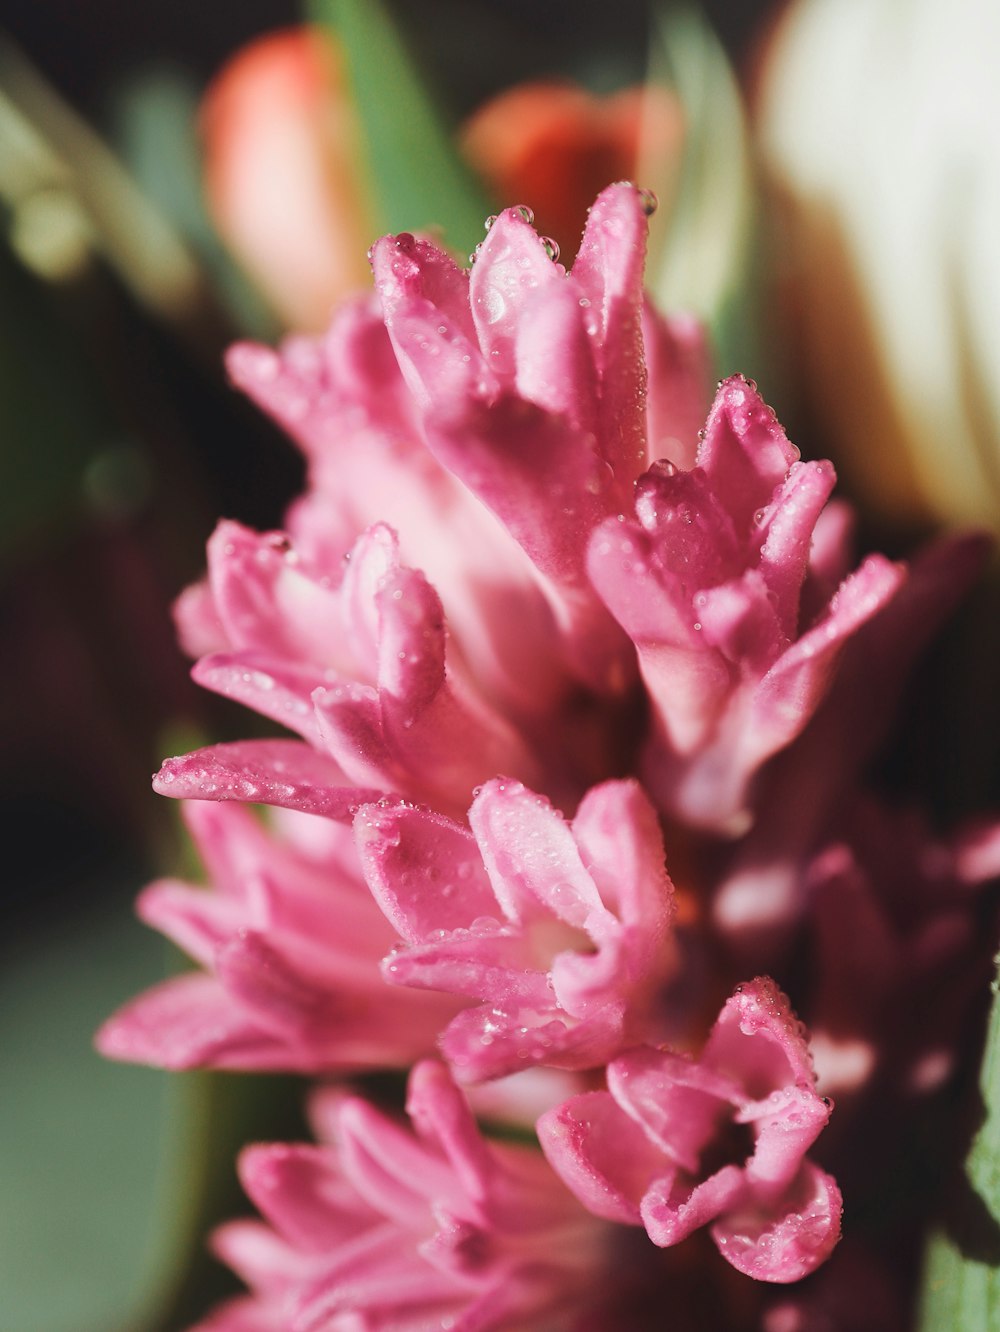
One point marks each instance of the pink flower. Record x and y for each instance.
(714, 581)
(675, 1144)
(289, 941)
(807, 792)
(493, 418)
(893, 912)
(562, 932)
(407, 1231)
(354, 659)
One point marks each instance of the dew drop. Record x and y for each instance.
(648, 202)
(489, 221)
(759, 517)
(550, 247)
(525, 213)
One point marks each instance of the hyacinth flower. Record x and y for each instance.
(560, 931)
(893, 912)
(397, 1230)
(675, 1144)
(492, 417)
(289, 942)
(354, 660)
(807, 796)
(710, 580)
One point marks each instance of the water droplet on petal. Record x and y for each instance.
(489, 221)
(648, 202)
(525, 213)
(550, 247)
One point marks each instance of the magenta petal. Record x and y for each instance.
(300, 1191)
(349, 721)
(672, 1211)
(790, 692)
(490, 1042)
(265, 601)
(390, 1169)
(424, 870)
(441, 1115)
(196, 921)
(618, 834)
(413, 270)
(274, 772)
(758, 1041)
(791, 1244)
(745, 452)
(411, 647)
(256, 974)
(530, 855)
(679, 1103)
(526, 466)
(264, 1260)
(600, 1155)
(484, 961)
(608, 269)
(787, 1124)
(188, 1022)
(511, 266)
(789, 527)
(555, 364)
(277, 689)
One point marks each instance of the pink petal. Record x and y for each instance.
(672, 1210)
(300, 1190)
(440, 1114)
(267, 604)
(277, 689)
(391, 1170)
(195, 920)
(484, 962)
(600, 1155)
(189, 1022)
(791, 1244)
(530, 856)
(679, 1103)
(511, 266)
(618, 834)
(282, 1001)
(424, 870)
(608, 269)
(271, 772)
(758, 1041)
(555, 363)
(745, 453)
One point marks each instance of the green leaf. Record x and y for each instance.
(961, 1284)
(418, 179)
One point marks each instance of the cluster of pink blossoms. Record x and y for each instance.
(583, 686)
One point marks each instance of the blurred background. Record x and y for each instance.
(174, 177)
